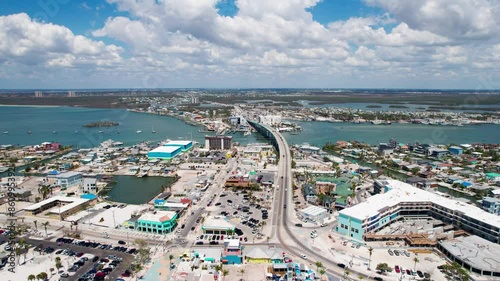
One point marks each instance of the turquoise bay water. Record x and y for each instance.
(134, 190)
(42, 121)
(319, 133)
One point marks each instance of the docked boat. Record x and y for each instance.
(247, 133)
(3, 169)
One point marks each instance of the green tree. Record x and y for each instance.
(225, 272)
(322, 272)
(384, 267)
(318, 265)
(370, 251)
(45, 224)
(31, 277)
(416, 260)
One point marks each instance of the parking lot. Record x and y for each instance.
(247, 210)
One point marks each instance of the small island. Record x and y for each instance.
(397, 106)
(373, 106)
(101, 124)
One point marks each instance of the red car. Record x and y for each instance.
(396, 268)
(79, 254)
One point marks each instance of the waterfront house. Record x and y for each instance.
(456, 150)
(89, 185)
(158, 222)
(69, 179)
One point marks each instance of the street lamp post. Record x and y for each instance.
(114, 222)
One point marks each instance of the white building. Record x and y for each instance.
(314, 214)
(89, 185)
(270, 119)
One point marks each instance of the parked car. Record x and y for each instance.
(341, 265)
(121, 242)
(298, 225)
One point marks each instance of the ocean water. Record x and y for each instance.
(319, 133)
(67, 123)
(42, 121)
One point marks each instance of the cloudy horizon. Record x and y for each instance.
(427, 44)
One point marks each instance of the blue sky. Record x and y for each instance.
(238, 43)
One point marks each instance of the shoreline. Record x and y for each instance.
(23, 105)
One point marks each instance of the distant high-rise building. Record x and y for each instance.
(71, 94)
(194, 99)
(218, 142)
(38, 94)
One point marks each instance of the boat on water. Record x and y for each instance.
(377, 122)
(247, 133)
(6, 132)
(29, 132)
(3, 169)
(294, 133)
(54, 132)
(142, 174)
(153, 130)
(138, 131)
(100, 132)
(76, 131)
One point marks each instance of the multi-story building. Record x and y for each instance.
(69, 179)
(89, 185)
(491, 205)
(218, 142)
(401, 199)
(159, 222)
(232, 252)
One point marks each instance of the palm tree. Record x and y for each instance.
(416, 260)
(31, 277)
(35, 223)
(322, 272)
(225, 272)
(361, 277)
(346, 274)
(318, 265)
(241, 271)
(45, 224)
(370, 251)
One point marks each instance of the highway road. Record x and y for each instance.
(281, 223)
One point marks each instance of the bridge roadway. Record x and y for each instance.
(281, 224)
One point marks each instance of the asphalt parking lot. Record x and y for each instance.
(246, 216)
(71, 256)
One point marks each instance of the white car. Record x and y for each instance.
(303, 256)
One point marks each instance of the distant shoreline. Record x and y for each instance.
(25, 105)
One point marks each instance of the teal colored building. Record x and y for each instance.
(159, 222)
(184, 145)
(164, 152)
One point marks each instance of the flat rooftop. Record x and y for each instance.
(218, 222)
(70, 203)
(475, 251)
(165, 149)
(158, 216)
(402, 192)
(179, 142)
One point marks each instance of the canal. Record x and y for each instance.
(134, 190)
